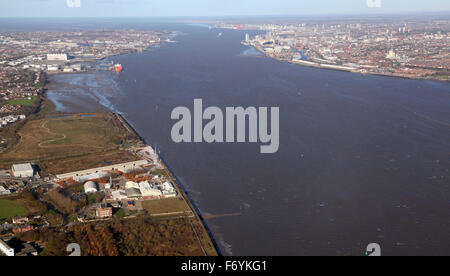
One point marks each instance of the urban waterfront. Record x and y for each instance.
(362, 158)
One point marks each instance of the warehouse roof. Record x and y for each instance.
(133, 192)
(22, 167)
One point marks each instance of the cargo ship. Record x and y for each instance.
(118, 68)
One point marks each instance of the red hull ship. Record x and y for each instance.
(118, 68)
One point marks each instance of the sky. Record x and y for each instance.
(164, 8)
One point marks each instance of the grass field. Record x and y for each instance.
(23, 102)
(66, 143)
(10, 209)
(172, 205)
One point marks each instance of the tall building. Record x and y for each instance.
(247, 37)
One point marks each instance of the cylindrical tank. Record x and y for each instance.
(90, 187)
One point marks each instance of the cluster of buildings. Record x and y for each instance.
(9, 246)
(45, 62)
(145, 191)
(123, 185)
(23, 249)
(397, 47)
(4, 191)
(125, 194)
(121, 189)
(4, 121)
(8, 108)
(11, 186)
(56, 51)
(18, 84)
(25, 56)
(20, 172)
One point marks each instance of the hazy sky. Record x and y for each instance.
(102, 8)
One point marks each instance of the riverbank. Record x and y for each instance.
(306, 63)
(198, 224)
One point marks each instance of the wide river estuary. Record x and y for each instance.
(362, 158)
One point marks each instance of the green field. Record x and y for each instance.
(165, 206)
(65, 143)
(10, 209)
(23, 102)
(119, 213)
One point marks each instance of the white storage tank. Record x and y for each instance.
(90, 187)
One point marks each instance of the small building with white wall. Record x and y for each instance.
(119, 195)
(124, 167)
(23, 170)
(6, 250)
(58, 57)
(168, 190)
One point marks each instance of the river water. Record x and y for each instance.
(362, 158)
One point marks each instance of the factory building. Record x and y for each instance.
(125, 167)
(131, 185)
(119, 195)
(168, 190)
(53, 68)
(148, 191)
(58, 57)
(23, 170)
(90, 187)
(133, 193)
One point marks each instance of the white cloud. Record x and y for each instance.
(374, 3)
(74, 3)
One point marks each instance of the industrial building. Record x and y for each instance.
(90, 187)
(88, 174)
(53, 68)
(23, 170)
(133, 193)
(119, 195)
(58, 57)
(147, 190)
(168, 190)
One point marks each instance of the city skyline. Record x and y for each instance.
(210, 8)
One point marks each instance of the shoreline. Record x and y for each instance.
(349, 70)
(171, 173)
(176, 180)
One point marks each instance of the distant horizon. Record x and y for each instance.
(213, 8)
(318, 15)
